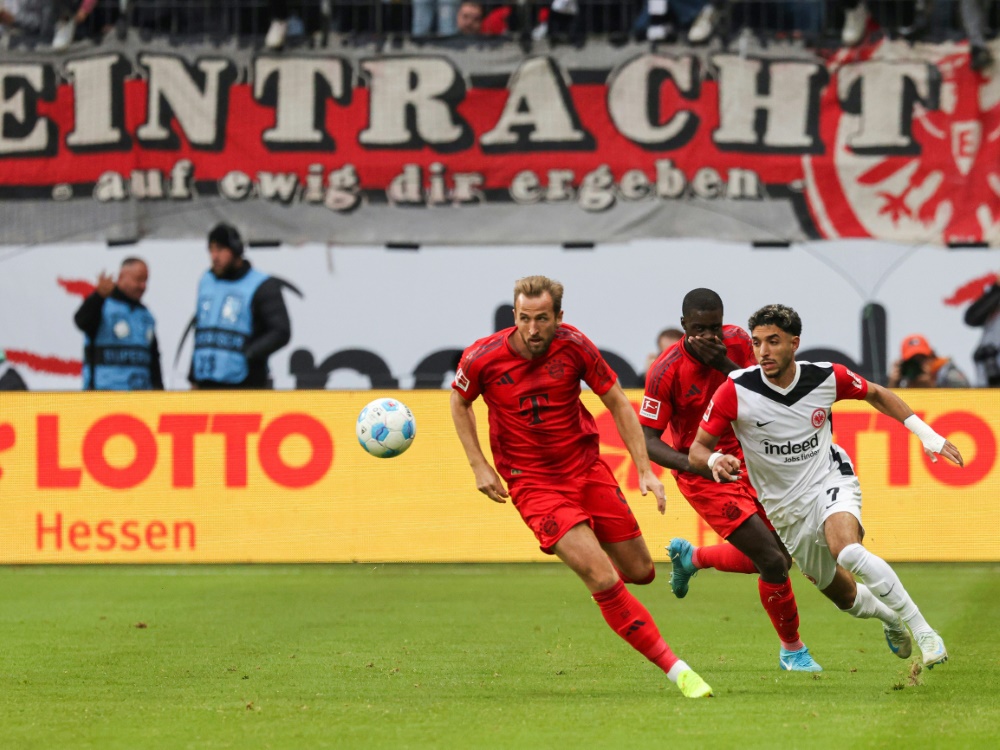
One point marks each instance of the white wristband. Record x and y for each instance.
(713, 458)
(931, 440)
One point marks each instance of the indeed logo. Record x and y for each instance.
(790, 448)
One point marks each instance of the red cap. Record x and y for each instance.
(914, 345)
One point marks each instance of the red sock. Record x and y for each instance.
(724, 557)
(632, 621)
(779, 603)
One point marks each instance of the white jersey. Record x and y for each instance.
(785, 432)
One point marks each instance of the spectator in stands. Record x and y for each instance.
(67, 19)
(706, 23)
(25, 15)
(277, 32)
(985, 313)
(927, 14)
(664, 340)
(974, 23)
(426, 11)
(469, 18)
(856, 17)
(38, 17)
(240, 319)
(919, 367)
(120, 348)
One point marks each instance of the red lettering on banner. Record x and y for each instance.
(48, 471)
(182, 428)
(846, 428)
(107, 535)
(236, 428)
(981, 463)
(899, 449)
(79, 536)
(115, 425)
(155, 532)
(128, 531)
(269, 454)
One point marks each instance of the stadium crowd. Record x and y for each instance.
(277, 23)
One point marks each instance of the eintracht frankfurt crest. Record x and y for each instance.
(941, 185)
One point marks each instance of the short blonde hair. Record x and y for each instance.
(536, 286)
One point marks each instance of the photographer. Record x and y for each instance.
(985, 313)
(919, 367)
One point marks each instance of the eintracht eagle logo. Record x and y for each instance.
(947, 189)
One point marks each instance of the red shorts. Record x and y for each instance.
(593, 498)
(723, 505)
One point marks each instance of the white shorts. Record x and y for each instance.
(805, 538)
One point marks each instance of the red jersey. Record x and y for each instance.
(679, 388)
(539, 428)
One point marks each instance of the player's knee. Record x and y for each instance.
(773, 565)
(852, 557)
(645, 578)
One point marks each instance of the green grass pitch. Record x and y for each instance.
(467, 656)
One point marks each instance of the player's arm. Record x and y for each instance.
(631, 433)
(887, 402)
(707, 461)
(666, 456)
(487, 480)
(721, 412)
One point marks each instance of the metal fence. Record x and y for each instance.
(311, 20)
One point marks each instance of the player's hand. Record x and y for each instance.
(489, 483)
(105, 284)
(649, 482)
(711, 351)
(950, 452)
(726, 469)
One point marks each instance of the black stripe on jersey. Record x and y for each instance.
(484, 349)
(810, 377)
(661, 367)
(577, 337)
(842, 465)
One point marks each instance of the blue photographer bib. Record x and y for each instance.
(223, 325)
(119, 356)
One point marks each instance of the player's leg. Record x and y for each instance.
(625, 614)
(752, 546)
(632, 560)
(724, 507)
(758, 541)
(843, 535)
(619, 539)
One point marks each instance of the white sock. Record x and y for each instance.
(866, 606)
(679, 666)
(883, 581)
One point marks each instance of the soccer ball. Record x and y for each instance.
(386, 427)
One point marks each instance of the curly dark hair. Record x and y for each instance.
(780, 316)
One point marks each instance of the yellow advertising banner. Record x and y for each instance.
(280, 477)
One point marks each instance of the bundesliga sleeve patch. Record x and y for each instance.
(650, 408)
(461, 381)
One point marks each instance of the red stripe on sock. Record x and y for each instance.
(724, 557)
(627, 616)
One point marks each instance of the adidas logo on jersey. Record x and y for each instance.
(693, 391)
(505, 380)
